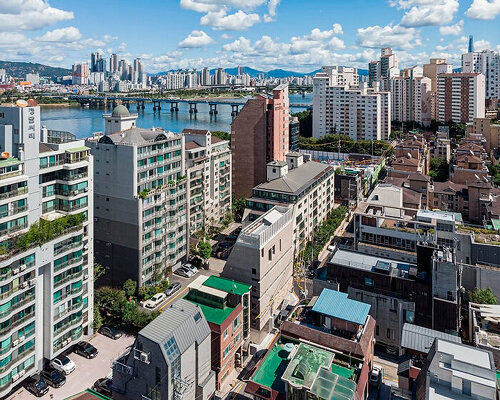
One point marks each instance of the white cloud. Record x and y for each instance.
(69, 34)
(9, 39)
(426, 12)
(29, 15)
(110, 38)
(395, 36)
(272, 5)
(337, 29)
(480, 45)
(484, 9)
(242, 45)
(225, 36)
(196, 39)
(452, 29)
(239, 21)
(336, 44)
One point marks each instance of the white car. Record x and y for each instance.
(376, 376)
(191, 267)
(63, 364)
(155, 301)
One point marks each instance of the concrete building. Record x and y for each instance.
(435, 67)
(411, 97)
(80, 74)
(341, 76)
(208, 168)
(306, 187)
(170, 358)
(33, 78)
(97, 63)
(263, 258)
(456, 371)
(259, 135)
(489, 129)
(46, 284)
(294, 127)
(460, 97)
(140, 200)
(226, 307)
(486, 62)
(361, 114)
(113, 63)
(379, 72)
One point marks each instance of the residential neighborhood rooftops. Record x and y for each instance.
(227, 285)
(337, 305)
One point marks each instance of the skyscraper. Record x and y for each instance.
(113, 63)
(486, 62)
(46, 276)
(80, 74)
(471, 44)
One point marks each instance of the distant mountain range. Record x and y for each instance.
(19, 69)
(274, 73)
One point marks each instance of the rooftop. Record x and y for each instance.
(466, 354)
(136, 136)
(337, 305)
(9, 162)
(227, 285)
(298, 179)
(272, 368)
(418, 338)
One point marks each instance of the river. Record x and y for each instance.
(84, 121)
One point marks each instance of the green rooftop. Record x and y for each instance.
(77, 149)
(272, 368)
(343, 371)
(9, 162)
(227, 285)
(213, 314)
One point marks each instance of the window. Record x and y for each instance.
(376, 330)
(388, 333)
(368, 282)
(236, 322)
(254, 271)
(270, 254)
(226, 351)
(226, 333)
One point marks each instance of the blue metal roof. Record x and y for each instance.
(337, 305)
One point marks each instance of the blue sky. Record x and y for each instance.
(292, 34)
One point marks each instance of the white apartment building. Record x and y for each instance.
(263, 258)
(306, 187)
(362, 114)
(460, 97)
(486, 62)
(411, 98)
(381, 70)
(456, 371)
(208, 169)
(46, 280)
(341, 76)
(140, 200)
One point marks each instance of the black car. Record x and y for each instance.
(103, 386)
(111, 332)
(54, 377)
(37, 385)
(86, 349)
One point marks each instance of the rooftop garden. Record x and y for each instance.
(41, 232)
(482, 235)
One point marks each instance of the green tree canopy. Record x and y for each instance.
(129, 287)
(440, 170)
(482, 296)
(204, 249)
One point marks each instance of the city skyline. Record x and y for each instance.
(197, 33)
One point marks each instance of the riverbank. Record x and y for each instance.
(47, 105)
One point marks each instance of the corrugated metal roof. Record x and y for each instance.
(178, 321)
(337, 305)
(418, 338)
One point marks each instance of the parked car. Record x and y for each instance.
(85, 349)
(63, 364)
(191, 267)
(37, 385)
(173, 288)
(376, 376)
(184, 272)
(155, 301)
(111, 332)
(53, 377)
(103, 386)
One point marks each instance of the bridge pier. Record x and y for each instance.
(126, 103)
(213, 109)
(192, 108)
(174, 106)
(235, 109)
(140, 105)
(156, 105)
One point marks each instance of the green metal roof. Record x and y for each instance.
(496, 224)
(10, 162)
(272, 368)
(227, 285)
(213, 314)
(77, 149)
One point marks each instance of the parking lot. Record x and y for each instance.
(87, 371)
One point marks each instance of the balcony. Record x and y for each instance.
(66, 247)
(71, 208)
(17, 322)
(68, 278)
(66, 263)
(14, 307)
(65, 326)
(13, 193)
(73, 177)
(11, 174)
(13, 229)
(70, 193)
(68, 310)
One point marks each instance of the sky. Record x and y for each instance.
(298, 35)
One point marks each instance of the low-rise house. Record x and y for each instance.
(170, 358)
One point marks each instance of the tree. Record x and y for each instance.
(238, 207)
(204, 250)
(97, 319)
(129, 287)
(482, 296)
(305, 122)
(440, 170)
(222, 135)
(99, 270)
(110, 300)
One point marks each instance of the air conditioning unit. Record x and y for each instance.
(67, 341)
(86, 189)
(22, 267)
(86, 247)
(21, 338)
(15, 342)
(21, 373)
(32, 281)
(85, 277)
(15, 377)
(24, 284)
(15, 271)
